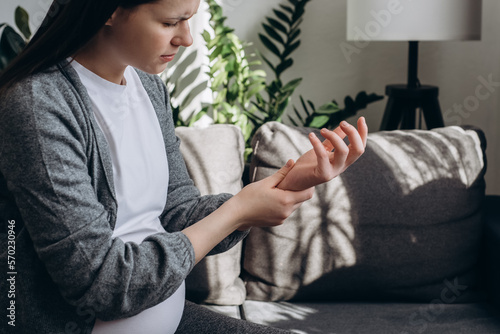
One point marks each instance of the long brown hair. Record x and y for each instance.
(68, 26)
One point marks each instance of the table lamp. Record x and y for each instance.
(413, 21)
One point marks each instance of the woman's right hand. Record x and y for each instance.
(262, 204)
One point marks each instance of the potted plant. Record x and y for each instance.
(12, 42)
(249, 97)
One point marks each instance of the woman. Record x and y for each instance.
(107, 222)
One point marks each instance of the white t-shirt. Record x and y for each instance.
(128, 120)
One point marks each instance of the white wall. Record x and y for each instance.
(453, 66)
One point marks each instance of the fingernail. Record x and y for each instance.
(289, 163)
(364, 120)
(344, 123)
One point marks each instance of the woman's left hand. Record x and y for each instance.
(329, 158)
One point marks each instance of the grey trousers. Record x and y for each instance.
(200, 320)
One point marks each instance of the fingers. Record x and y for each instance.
(306, 195)
(363, 130)
(296, 198)
(280, 174)
(343, 155)
(322, 155)
(341, 149)
(356, 145)
(338, 130)
(291, 201)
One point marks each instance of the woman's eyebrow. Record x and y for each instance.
(181, 17)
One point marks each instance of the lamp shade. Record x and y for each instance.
(413, 20)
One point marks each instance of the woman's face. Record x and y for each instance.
(148, 36)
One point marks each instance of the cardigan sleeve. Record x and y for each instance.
(44, 145)
(184, 206)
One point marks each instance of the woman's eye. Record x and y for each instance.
(170, 24)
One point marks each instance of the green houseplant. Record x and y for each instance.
(281, 38)
(12, 42)
(240, 93)
(233, 81)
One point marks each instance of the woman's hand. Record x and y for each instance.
(258, 204)
(263, 204)
(329, 159)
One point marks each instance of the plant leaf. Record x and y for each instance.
(311, 104)
(196, 117)
(217, 66)
(206, 36)
(299, 116)
(269, 45)
(176, 116)
(304, 106)
(274, 87)
(289, 50)
(328, 108)
(269, 63)
(293, 36)
(296, 25)
(319, 121)
(282, 16)
(292, 85)
(254, 90)
(215, 53)
(11, 43)
(259, 74)
(284, 66)
(23, 21)
(219, 80)
(273, 34)
(276, 24)
(281, 109)
(287, 8)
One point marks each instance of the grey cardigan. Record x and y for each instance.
(56, 184)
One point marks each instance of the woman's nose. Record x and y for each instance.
(183, 37)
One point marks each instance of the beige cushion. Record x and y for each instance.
(398, 223)
(214, 158)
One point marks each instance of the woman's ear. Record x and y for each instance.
(109, 22)
(118, 15)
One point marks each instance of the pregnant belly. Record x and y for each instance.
(163, 318)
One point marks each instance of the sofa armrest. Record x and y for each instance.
(492, 233)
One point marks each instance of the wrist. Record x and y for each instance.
(211, 230)
(236, 210)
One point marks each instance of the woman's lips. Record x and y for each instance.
(167, 58)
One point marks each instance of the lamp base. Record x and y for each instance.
(403, 103)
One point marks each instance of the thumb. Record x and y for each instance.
(277, 177)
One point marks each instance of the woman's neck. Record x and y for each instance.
(97, 58)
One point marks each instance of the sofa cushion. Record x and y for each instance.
(402, 223)
(214, 159)
(492, 246)
(437, 317)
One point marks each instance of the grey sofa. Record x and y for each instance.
(405, 241)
